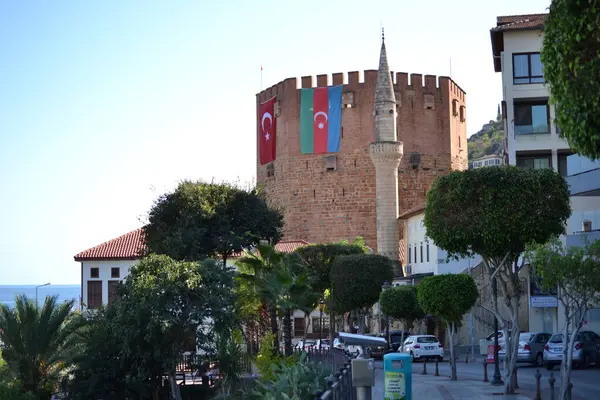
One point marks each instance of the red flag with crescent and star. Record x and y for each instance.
(267, 143)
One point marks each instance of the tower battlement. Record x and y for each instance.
(418, 83)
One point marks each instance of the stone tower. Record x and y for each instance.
(386, 152)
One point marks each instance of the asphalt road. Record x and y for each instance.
(586, 383)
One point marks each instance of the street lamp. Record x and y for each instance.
(321, 307)
(36, 291)
(497, 379)
(386, 285)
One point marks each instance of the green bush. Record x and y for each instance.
(14, 391)
(268, 357)
(296, 381)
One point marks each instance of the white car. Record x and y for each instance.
(302, 345)
(321, 344)
(423, 346)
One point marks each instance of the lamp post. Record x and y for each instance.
(386, 285)
(36, 291)
(497, 379)
(321, 307)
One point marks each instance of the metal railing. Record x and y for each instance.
(339, 385)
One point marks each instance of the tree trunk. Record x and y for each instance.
(361, 322)
(175, 393)
(452, 331)
(287, 332)
(274, 329)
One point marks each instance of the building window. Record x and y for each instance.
(115, 272)
(532, 117)
(421, 251)
(94, 294)
(427, 251)
(534, 162)
(527, 68)
(587, 226)
(416, 253)
(94, 273)
(316, 325)
(455, 107)
(299, 327)
(463, 113)
(112, 291)
(409, 254)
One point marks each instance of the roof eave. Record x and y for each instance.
(81, 259)
(497, 38)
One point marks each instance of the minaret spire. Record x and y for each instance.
(386, 153)
(385, 99)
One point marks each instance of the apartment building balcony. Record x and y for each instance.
(584, 176)
(578, 239)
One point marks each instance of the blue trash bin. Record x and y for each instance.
(397, 376)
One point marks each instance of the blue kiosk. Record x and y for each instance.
(397, 375)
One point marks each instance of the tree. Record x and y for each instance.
(449, 297)
(36, 339)
(496, 212)
(200, 220)
(575, 273)
(356, 281)
(401, 303)
(571, 58)
(161, 304)
(318, 259)
(255, 268)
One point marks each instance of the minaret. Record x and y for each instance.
(386, 153)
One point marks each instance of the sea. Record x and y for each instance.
(64, 292)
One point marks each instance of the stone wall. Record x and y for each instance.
(323, 205)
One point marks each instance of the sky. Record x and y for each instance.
(105, 105)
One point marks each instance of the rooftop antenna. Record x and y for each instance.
(450, 67)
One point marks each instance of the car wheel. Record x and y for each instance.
(539, 360)
(549, 367)
(585, 363)
(440, 358)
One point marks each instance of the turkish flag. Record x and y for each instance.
(267, 143)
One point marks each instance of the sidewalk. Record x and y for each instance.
(432, 387)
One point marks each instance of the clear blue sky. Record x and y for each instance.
(106, 104)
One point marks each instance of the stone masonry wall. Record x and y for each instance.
(323, 206)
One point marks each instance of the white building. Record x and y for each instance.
(487, 161)
(422, 256)
(533, 141)
(104, 265)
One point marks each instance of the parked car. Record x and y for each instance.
(305, 345)
(585, 349)
(355, 350)
(489, 340)
(325, 344)
(396, 338)
(531, 348)
(378, 352)
(424, 346)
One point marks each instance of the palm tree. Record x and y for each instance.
(289, 286)
(36, 340)
(255, 270)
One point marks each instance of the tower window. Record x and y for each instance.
(427, 251)
(421, 251)
(415, 253)
(409, 254)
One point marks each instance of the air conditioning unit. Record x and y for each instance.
(414, 159)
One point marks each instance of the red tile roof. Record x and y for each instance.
(130, 245)
(520, 22)
(412, 211)
(125, 247)
(512, 23)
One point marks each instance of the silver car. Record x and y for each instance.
(531, 348)
(585, 350)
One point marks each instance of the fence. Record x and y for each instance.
(339, 386)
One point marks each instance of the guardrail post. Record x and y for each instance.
(569, 390)
(515, 378)
(437, 371)
(424, 366)
(552, 380)
(485, 373)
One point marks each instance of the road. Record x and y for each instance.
(586, 382)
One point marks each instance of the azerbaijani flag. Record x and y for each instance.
(320, 119)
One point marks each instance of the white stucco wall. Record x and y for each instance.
(104, 268)
(522, 42)
(415, 234)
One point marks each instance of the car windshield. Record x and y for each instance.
(427, 339)
(526, 337)
(558, 338)
(397, 338)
